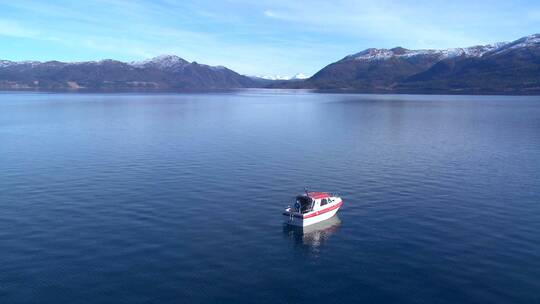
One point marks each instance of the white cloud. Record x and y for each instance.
(269, 13)
(368, 20)
(14, 29)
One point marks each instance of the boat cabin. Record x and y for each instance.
(312, 201)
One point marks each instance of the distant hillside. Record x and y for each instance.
(160, 73)
(511, 68)
(499, 68)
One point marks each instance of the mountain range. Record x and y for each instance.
(512, 67)
(507, 68)
(167, 73)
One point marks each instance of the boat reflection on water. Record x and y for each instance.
(313, 235)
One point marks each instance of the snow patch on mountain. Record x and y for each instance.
(273, 77)
(8, 63)
(383, 54)
(162, 62)
(528, 41)
(217, 67)
(298, 76)
(5, 63)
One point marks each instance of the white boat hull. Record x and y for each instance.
(295, 219)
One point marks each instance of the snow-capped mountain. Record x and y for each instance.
(166, 72)
(473, 51)
(298, 76)
(505, 66)
(165, 62)
(525, 42)
(382, 54)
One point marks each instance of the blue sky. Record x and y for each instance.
(252, 37)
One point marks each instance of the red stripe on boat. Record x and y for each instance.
(323, 211)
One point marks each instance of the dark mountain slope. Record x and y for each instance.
(160, 73)
(372, 69)
(499, 68)
(513, 68)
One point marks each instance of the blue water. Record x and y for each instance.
(127, 198)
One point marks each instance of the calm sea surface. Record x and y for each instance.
(157, 198)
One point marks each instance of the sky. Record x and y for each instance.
(252, 37)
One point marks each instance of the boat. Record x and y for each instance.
(311, 208)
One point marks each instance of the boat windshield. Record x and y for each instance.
(304, 203)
